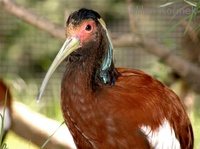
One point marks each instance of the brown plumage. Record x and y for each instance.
(108, 107)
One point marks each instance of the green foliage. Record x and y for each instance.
(191, 17)
(45, 143)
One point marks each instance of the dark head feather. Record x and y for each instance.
(82, 14)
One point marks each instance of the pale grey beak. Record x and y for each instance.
(70, 45)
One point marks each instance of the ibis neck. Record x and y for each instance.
(77, 97)
(84, 69)
(78, 77)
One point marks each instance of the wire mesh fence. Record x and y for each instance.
(26, 52)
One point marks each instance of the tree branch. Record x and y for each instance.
(37, 128)
(28, 16)
(183, 67)
(187, 70)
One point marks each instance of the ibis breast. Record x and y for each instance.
(133, 113)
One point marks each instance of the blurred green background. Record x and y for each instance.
(27, 52)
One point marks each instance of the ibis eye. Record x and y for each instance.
(88, 27)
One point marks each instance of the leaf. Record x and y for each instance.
(174, 26)
(193, 15)
(45, 143)
(191, 3)
(168, 4)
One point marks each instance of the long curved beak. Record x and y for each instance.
(70, 45)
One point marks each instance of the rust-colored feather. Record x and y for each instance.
(4, 94)
(107, 117)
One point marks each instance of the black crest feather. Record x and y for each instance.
(82, 14)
